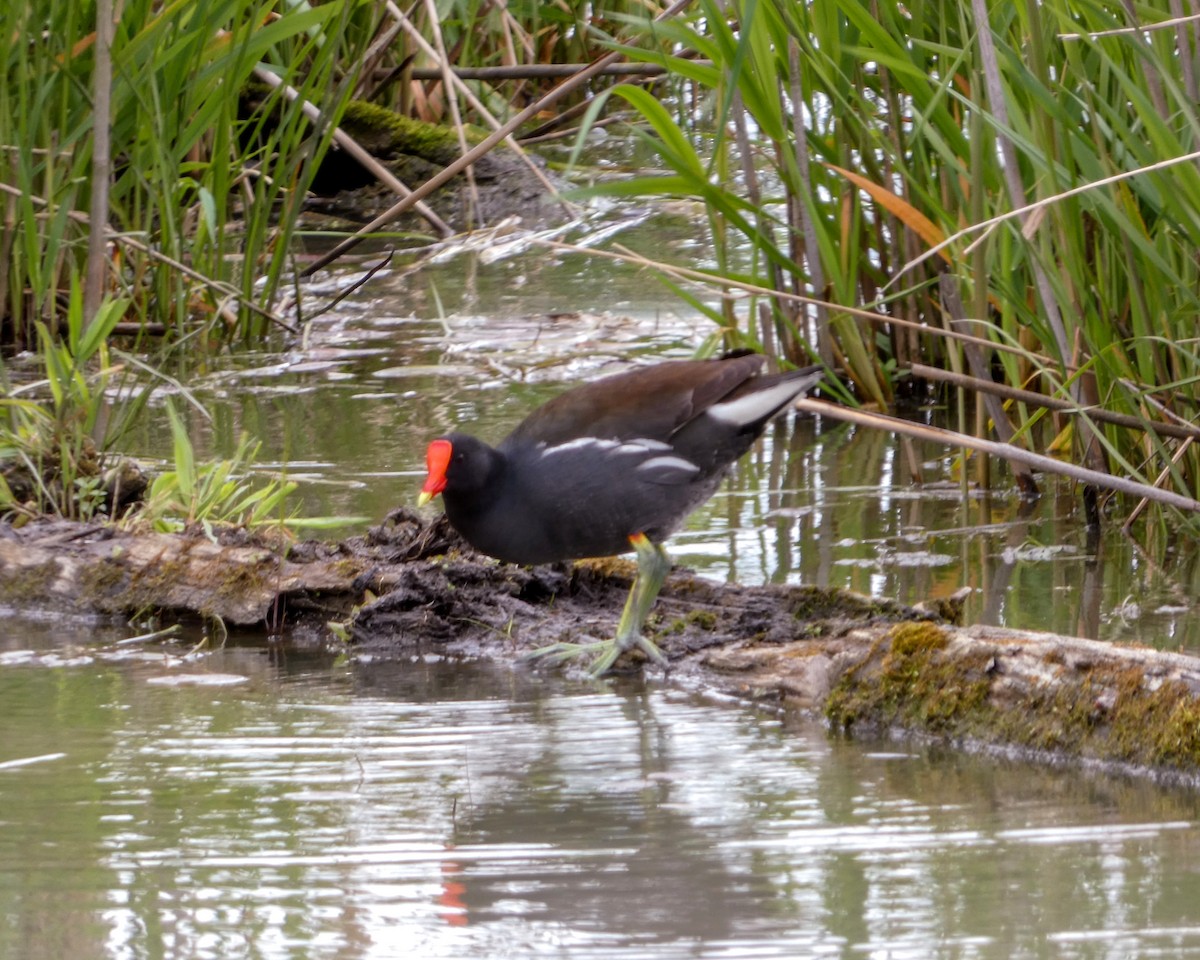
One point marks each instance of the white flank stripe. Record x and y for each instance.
(639, 447)
(673, 463)
(603, 447)
(646, 444)
(755, 406)
(583, 443)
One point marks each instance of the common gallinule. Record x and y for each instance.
(610, 466)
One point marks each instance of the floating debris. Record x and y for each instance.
(198, 680)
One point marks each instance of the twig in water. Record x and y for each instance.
(150, 637)
(371, 271)
(1007, 451)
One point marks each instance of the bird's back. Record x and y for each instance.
(649, 403)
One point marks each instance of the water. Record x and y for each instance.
(426, 809)
(264, 801)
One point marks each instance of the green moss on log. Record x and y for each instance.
(827, 603)
(239, 581)
(705, 620)
(103, 580)
(1155, 724)
(916, 686)
(914, 679)
(26, 584)
(387, 134)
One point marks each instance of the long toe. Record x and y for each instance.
(606, 660)
(615, 649)
(563, 652)
(650, 649)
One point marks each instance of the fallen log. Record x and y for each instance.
(95, 569)
(868, 666)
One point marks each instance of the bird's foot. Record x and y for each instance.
(616, 648)
(606, 652)
(653, 565)
(563, 651)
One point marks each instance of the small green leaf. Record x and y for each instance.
(185, 462)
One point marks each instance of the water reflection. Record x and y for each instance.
(428, 809)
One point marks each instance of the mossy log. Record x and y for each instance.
(91, 569)
(868, 666)
(501, 183)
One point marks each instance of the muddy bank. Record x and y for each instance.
(411, 588)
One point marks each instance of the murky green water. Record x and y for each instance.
(265, 802)
(322, 809)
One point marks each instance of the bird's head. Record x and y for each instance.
(457, 463)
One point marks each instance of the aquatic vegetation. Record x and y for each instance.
(1005, 194)
(221, 493)
(198, 186)
(907, 195)
(54, 430)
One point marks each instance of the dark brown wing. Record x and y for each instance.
(650, 403)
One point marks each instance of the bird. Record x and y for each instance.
(610, 466)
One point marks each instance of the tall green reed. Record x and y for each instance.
(876, 131)
(204, 177)
(53, 430)
(209, 166)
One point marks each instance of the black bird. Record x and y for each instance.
(610, 466)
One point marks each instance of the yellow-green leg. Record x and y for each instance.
(653, 567)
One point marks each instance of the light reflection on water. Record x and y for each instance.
(427, 809)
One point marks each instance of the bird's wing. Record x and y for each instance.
(650, 403)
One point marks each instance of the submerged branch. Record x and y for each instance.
(359, 153)
(449, 76)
